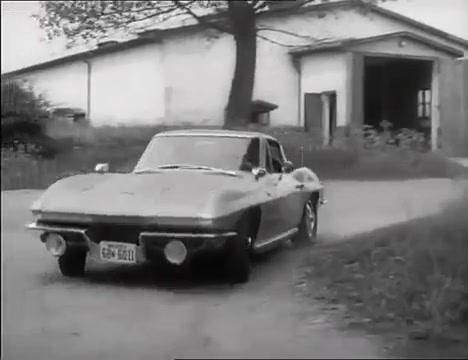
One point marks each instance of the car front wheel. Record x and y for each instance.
(309, 224)
(72, 264)
(238, 255)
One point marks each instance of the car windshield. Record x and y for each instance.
(200, 152)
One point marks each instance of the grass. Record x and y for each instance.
(410, 277)
(80, 148)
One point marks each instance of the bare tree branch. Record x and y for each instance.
(275, 42)
(202, 20)
(285, 32)
(260, 6)
(136, 11)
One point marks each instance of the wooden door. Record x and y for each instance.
(313, 110)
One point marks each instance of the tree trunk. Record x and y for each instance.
(242, 18)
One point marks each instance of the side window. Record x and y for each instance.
(276, 156)
(251, 158)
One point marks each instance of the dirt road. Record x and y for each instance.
(125, 313)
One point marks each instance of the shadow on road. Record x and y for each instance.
(202, 277)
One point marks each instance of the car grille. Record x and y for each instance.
(117, 233)
(130, 234)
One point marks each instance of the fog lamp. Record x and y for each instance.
(55, 244)
(175, 252)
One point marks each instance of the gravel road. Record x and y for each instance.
(127, 313)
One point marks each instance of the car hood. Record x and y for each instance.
(180, 193)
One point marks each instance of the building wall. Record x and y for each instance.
(125, 88)
(391, 47)
(62, 86)
(187, 78)
(328, 71)
(198, 72)
(198, 82)
(338, 24)
(464, 96)
(450, 113)
(454, 107)
(325, 72)
(277, 80)
(128, 88)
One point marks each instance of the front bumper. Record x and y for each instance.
(149, 244)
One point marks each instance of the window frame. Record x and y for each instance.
(259, 145)
(424, 103)
(269, 143)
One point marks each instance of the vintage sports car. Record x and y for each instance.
(229, 194)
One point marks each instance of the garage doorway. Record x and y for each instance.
(399, 91)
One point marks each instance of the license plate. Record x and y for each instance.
(117, 252)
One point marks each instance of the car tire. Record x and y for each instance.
(72, 264)
(238, 263)
(308, 228)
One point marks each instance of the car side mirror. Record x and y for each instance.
(287, 167)
(102, 168)
(258, 172)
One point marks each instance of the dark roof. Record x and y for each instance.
(152, 36)
(262, 106)
(343, 44)
(84, 55)
(370, 7)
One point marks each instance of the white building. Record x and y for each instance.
(351, 64)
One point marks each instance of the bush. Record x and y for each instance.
(74, 146)
(413, 273)
(24, 117)
(367, 154)
(105, 136)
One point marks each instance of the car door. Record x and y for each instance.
(288, 190)
(270, 224)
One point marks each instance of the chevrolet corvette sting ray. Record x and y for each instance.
(223, 193)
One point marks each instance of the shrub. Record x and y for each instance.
(24, 117)
(366, 154)
(75, 146)
(105, 136)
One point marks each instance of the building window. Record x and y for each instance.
(424, 103)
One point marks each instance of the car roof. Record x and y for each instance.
(216, 132)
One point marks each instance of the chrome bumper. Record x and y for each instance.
(51, 228)
(143, 238)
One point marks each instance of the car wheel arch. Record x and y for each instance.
(253, 216)
(315, 197)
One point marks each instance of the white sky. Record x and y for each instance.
(21, 43)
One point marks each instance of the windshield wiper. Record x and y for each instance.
(209, 168)
(146, 171)
(172, 166)
(153, 170)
